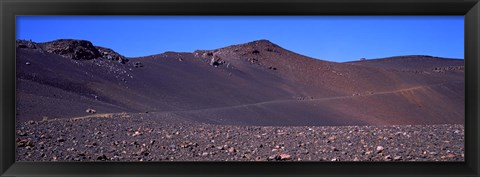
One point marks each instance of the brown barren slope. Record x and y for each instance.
(257, 83)
(246, 102)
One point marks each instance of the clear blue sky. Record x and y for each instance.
(333, 38)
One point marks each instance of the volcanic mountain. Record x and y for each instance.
(256, 83)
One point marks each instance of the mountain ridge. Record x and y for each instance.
(21, 43)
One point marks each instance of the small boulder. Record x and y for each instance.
(207, 54)
(232, 150)
(451, 155)
(91, 111)
(138, 64)
(285, 157)
(252, 60)
(216, 61)
(380, 149)
(136, 133)
(24, 143)
(102, 157)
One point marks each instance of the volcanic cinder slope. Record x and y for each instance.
(256, 83)
(247, 102)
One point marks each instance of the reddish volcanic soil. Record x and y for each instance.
(257, 83)
(243, 88)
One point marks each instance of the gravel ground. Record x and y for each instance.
(162, 137)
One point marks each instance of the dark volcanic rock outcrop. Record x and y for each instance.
(26, 44)
(74, 49)
(111, 55)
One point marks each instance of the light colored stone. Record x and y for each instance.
(380, 148)
(285, 157)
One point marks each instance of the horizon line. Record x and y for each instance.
(167, 51)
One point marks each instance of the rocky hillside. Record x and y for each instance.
(256, 83)
(74, 49)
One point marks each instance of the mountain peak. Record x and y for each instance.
(261, 42)
(255, 48)
(257, 45)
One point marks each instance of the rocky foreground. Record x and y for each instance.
(163, 137)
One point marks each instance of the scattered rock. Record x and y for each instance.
(24, 143)
(331, 138)
(216, 61)
(21, 133)
(274, 157)
(137, 64)
(252, 60)
(285, 157)
(90, 139)
(188, 144)
(272, 68)
(451, 155)
(137, 133)
(102, 157)
(109, 54)
(380, 149)
(232, 150)
(143, 152)
(91, 111)
(207, 54)
(247, 156)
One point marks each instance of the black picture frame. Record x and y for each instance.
(9, 9)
